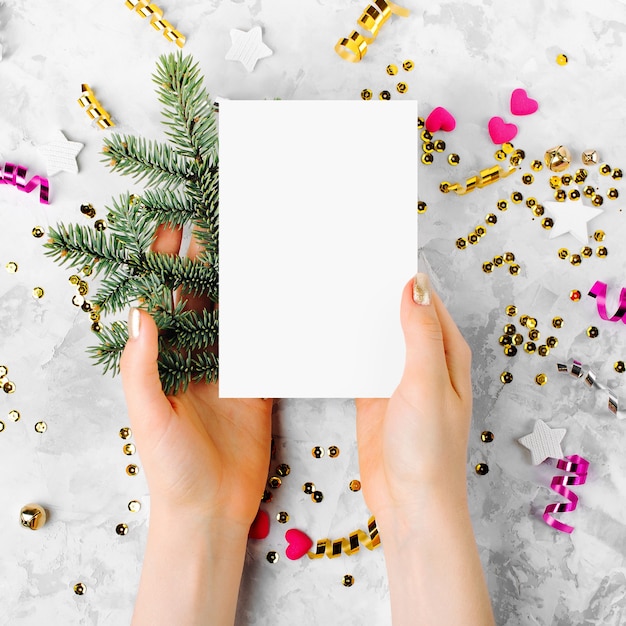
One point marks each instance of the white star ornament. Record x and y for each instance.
(544, 442)
(61, 155)
(247, 47)
(571, 217)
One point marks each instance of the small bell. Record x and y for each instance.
(33, 516)
(558, 158)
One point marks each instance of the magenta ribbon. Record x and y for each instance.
(598, 291)
(576, 465)
(16, 175)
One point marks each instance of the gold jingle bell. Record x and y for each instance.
(33, 516)
(558, 158)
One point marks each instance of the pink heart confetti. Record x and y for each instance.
(522, 104)
(440, 119)
(299, 544)
(260, 527)
(501, 132)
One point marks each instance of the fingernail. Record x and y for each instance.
(421, 289)
(134, 320)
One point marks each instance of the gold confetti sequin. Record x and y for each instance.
(272, 557)
(511, 310)
(132, 470)
(580, 176)
(487, 267)
(509, 329)
(37, 232)
(541, 379)
(605, 169)
(366, 94)
(283, 470)
(121, 529)
(528, 179)
(454, 159)
(347, 580)
(558, 322)
(317, 452)
(599, 235)
(505, 340)
(561, 59)
(422, 207)
(282, 517)
(502, 205)
(612, 193)
(100, 225)
(317, 496)
(125, 433)
(574, 295)
(14, 415)
(41, 427)
(575, 259)
(509, 257)
(516, 197)
(80, 589)
(574, 194)
(543, 350)
(530, 347)
(128, 449)
(547, 222)
(563, 253)
(11, 267)
(308, 488)
(274, 482)
(597, 200)
(619, 367)
(518, 339)
(531, 322)
(427, 159)
(510, 350)
(486, 436)
(402, 87)
(392, 70)
(482, 469)
(408, 65)
(536, 166)
(440, 145)
(602, 252)
(38, 293)
(134, 506)
(552, 342)
(514, 270)
(8, 387)
(355, 485)
(534, 334)
(617, 173)
(506, 377)
(384, 95)
(333, 452)
(592, 332)
(461, 244)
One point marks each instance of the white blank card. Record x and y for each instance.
(318, 235)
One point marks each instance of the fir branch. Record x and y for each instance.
(77, 245)
(112, 339)
(115, 292)
(133, 227)
(167, 206)
(143, 159)
(177, 370)
(189, 330)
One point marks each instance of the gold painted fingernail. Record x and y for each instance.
(421, 289)
(134, 320)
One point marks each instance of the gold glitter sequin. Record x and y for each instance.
(487, 267)
(274, 482)
(37, 232)
(473, 238)
(8, 387)
(612, 193)
(80, 589)
(586, 252)
(422, 207)
(589, 191)
(486, 436)
(128, 449)
(536, 166)
(317, 452)
(543, 350)
(355, 485)
(509, 257)
(580, 176)
(528, 179)
(74, 279)
(317, 496)
(125, 433)
(605, 169)
(531, 323)
(500, 155)
(282, 517)
(541, 379)
(333, 452)
(509, 329)
(511, 310)
(530, 347)
(502, 205)
(617, 173)
(555, 182)
(566, 179)
(516, 197)
(574, 194)
(121, 529)
(561, 59)
(134, 506)
(11, 267)
(599, 235)
(560, 195)
(440, 145)
(597, 200)
(514, 270)
(575, 259)
(1, 426)
(563, 253)
(505, 340)
(14, 415)
(366, 94)
(592, 332)
(498, 260)
(347, 580)
(283, 470)
(392, 70)
(482, 469)
(454, 159)
(481, 231)
(38, 293)
(426, 135)
(132, 470)
(534, 334)
(428, 158)
(552, 342)
(491, 219)
(384, 95)
(461, 244)
(408, 65)
(308, 488)
(547, 223)
(510, 350)
(602, 252)
(619, 367)
(574, 295)
(41, 427)
(272, 557)
(538, 210)
(558, 322)
(518, 339)
(506, 377)
(402, 87)
(531, 202)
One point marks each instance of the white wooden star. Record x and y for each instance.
(61, 155)
(247, 47)
(544, 442)
(571, 217)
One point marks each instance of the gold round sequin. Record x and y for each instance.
(541, 379)
(83, 287)
(317, 496)
(1, 426)
(558, 322)
(132, 470)
(498, 260)
(505, 340)
(508, 148)
(534, 334)
(473, 238)
(597, 200)
(531, 202)
(8, 387)
(605, 169)
(428, 158)
(392, 70)
(272, 556)
(38, 293)
(283, 470)
(487, 267)
(11, 267)
(422, 207)
(384, 95)
(586, 252)
(454, 159)
(317, 452)
(491, 219)
(561, 59)
(589, 191)
(538, 210)
(308, 488)
(78, 300)
(121, 529)
(482, 469)
(530, 347)
(87, 270)
(333, 452)
(575, 259)
(560, 195)
(96, 327)
(282, 517)
(274, 482)
(566, 179)
(41, 427)
(440, 145)
(599, 235)
(510, 350)
(531, 323)
(612, 193)
(134, 506)
(555, 182)
(420, 122)
(14, 415)
(514, 270)
(502, 205)
(580, 176)
(426, 135)
(486, 436)
(355, 485)
(516, 197)
(617, 174)
(366, 94)
(528, 179)
(552, 342)
(499, 155)
(547, 223)
(408, 65)
(536, 166)
(506, 377)
(88, 210)
(509, 257)
(347, 580)
(128, 449)
(543, 350)
(592, 332)
(402, 87)
(574, 194)
(37, 232)
(619, 367)
(518, 340)
(267, 496)
(481, 231)
(509, 329)
(80, 589)
(4, 370)
(461, 244)
(574, 295)
(100, 225)
(511, 310)
(125, 433)
(602, 252)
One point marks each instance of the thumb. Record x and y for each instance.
(425, 357)
(140, 373)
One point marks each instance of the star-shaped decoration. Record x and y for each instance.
(544, 442)
(61, 155)
(247, 47)
(571, 217)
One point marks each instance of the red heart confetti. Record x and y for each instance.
(299, 544)
(260, 527)
(440, 119)
(522, 104)
(501, 132)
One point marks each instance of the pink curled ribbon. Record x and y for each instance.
(16, 175)
(598, 291)
(578, 466)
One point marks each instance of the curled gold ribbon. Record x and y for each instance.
(333, 548)
(486, 177)
(93, 108)
(354, 47)
(145, 8)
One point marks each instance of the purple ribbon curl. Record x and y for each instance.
(598, 291)
(16, 175)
